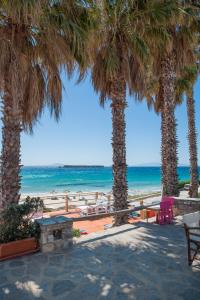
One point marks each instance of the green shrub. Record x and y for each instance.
(76, 232)
(47, 209)
(182, 183)
(16, 223)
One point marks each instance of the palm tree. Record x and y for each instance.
(184, 40)
(190, 77)
(37, 39)
(155, 93)
(192, 139)
(118, 62)
(162, 82)
(169, 139)
(177, 55)
(185, 85)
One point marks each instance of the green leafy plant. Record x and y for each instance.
(47, 209)
(76, 232)
(16, 220)
(182, 183)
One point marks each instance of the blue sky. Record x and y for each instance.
(83, 134)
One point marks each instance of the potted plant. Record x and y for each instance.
(19, 233)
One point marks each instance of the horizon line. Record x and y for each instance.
(94, 165)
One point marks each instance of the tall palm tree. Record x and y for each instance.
(118, 61)
(179, 54)
(166, 66)
(157, 87)
(190, 77)
(192, 139)
(169, 146)
(185, 85)
(184, 40)
(37, 39)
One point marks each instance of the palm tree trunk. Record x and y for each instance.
(192, 139)
(118, 97)
(163, 155)
(168, 76)
(10, 157)
(163, 141)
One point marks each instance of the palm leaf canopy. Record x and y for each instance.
(121, 45)
(39, 38)
(184, 44)
(186, 81)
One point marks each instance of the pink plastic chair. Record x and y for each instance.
(170, 199)
(165, 215)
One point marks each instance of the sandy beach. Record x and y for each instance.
(56, 201)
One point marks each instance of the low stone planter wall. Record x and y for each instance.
(186, 206)
(56, 233)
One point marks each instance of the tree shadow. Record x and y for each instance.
(143, 261)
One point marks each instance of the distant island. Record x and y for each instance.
(82, 166)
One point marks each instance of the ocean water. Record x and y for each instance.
(48, 179)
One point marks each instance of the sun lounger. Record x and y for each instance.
(87, 210)
(95, 209)
(91, 210)
(100, 209)
(192, 230)
(82, 210)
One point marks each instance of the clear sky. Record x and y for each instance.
(83, 134)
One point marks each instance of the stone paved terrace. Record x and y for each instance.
(137, 261)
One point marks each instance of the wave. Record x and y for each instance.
(72, 184)
(31, 176)
(82, 183)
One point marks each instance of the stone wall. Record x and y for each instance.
(186, 206)
(56, 233)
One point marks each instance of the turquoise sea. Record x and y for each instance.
(48, 179)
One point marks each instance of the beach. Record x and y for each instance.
(72, 191)
(82, 184)
(57, 201)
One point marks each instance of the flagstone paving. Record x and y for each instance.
(136, 261)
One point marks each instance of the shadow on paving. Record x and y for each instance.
(142, 261)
